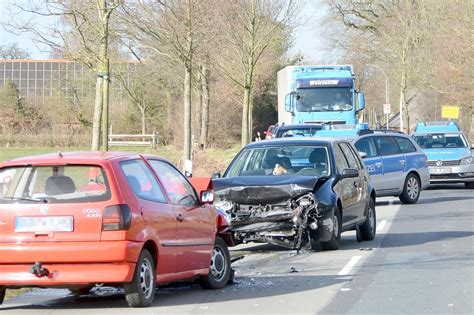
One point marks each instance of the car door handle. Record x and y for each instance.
(180, 217)
(356, 184)
(402, 161)
(378, 164)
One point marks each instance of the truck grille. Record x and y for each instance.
(445, 163)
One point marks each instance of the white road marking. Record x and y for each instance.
(350, 264)
(381, 225)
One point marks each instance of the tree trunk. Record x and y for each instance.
(105, 111)
(143, 116)
(205, 107)
(187, 113)
(96, 121)
(245, 116)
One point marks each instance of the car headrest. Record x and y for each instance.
(270, 161)
(134, 184)
(318, 156)
(58, 185)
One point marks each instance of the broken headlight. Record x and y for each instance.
(223, 205)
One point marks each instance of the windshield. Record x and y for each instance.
(53, 184)
(440, 140)
(324, 99)
(285, 161)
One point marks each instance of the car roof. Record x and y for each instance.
(294, 141)
(82, 157)
(301, 126)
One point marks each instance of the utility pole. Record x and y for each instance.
(387, 100)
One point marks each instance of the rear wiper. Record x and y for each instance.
(42, 200)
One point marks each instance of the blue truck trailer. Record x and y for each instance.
(318, 94)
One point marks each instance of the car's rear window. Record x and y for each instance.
(53, 184)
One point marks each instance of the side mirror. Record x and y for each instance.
(361, 100)
(350, 173)
(207, 196)
(362, 154)
(289, 101)
(216, 175)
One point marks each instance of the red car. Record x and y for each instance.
(72, 220)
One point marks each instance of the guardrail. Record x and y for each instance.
(150, 140)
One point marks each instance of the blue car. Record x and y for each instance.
(450, 157)
(396, 164)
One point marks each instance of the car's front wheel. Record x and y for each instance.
(469, 185)
(141, 291)
(367, 230)
(2, 294)
(220, 270)
(411, 189)
(335, 240)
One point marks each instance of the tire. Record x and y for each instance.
(368, 228)
(335, 240)
(2, 294)
(81, 291)
(141, 291)
(411, 190)
(469, 185)
(220, 270)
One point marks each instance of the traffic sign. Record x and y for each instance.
(450, 112)
(386, 109)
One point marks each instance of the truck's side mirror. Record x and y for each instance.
(289, 101)
(361, 100)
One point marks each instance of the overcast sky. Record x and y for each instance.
(308, 39)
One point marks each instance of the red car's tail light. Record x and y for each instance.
(116, 217)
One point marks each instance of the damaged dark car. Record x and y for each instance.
(297, 193)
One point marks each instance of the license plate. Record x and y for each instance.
(440, 170)
(44, 224)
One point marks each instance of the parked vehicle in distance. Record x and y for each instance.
(297, 192)
(71, 220)
(396, 164)
(269, 132)
(450, 156)
(300, 130)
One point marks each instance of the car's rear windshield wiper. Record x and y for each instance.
(42, 200)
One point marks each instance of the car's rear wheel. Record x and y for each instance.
(335, 240)
(469, 185)
(367, 230)
(220, 270)
(411, 189)
(2, 294)
(141, 291)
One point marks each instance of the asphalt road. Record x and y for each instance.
(422, 261)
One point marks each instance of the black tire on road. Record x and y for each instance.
(469, 185)
(411, 189)
(335, 240)
(141, 291)
(2, 294)
(220, 270)
(368, 229)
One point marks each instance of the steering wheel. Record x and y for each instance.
(309, 171)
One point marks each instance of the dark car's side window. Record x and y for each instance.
(367, 146)
(141, 180)
(385, 145)
(406, 146)
(351, 159)
(178, 188)
(341, 162)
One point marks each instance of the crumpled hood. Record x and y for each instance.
(447, 153)
(254, 190)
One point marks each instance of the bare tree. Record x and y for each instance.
(12, 51)
(171, 29)
(250, 29)
(80, 30)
